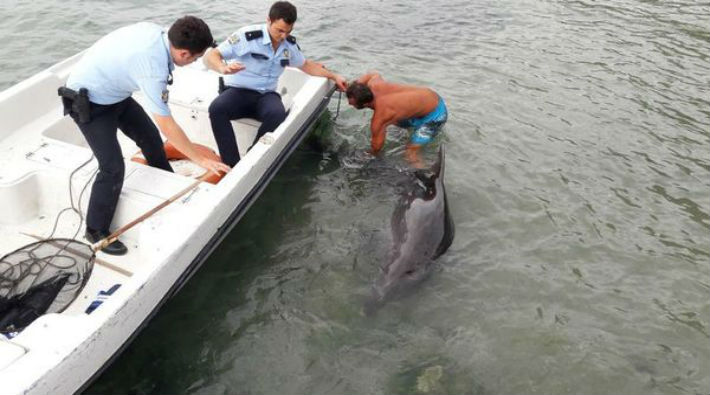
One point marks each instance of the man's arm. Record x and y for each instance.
(380, 120)
(214, 61)
(317, 69)
(373, 75)
(177, 137)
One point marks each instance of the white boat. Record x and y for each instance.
(39, 148)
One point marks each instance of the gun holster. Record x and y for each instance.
(221, 87)
(76, 103)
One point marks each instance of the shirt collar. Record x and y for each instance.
(166, 43)
(265, 39)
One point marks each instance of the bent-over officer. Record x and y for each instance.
(252, 60)
(98, 97)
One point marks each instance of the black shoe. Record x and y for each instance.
(115, 248)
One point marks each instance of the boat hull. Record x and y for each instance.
(63, 353)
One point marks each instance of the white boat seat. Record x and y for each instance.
(19, 200)
(9, 352)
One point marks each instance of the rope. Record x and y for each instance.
(50, 263)
(76, 209)
(337, 111)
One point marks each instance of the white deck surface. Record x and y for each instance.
(39, 148)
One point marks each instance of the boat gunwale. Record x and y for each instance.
(220, 234)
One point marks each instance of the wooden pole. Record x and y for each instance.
(101, 244)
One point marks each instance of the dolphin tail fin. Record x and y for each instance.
(374, 302)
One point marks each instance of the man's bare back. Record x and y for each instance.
(404, 101)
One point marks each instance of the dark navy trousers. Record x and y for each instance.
(236, 103)
(101, 135)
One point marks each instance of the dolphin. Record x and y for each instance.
(422, 230)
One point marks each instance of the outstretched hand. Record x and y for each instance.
(231, 68)
(214, 166)
(340, 82)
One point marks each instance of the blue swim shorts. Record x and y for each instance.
(428, 126)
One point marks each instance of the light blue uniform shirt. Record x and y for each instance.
(263, 65)
(132, 58)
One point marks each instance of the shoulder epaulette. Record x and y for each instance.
(254, 34)
(292, 40)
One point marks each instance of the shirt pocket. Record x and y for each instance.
(284, 61)
(259, 63)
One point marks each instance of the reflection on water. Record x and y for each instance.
(577, 173)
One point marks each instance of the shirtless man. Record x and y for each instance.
(407, 106)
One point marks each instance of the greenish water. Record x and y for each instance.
(578, 156)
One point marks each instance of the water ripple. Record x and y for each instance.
(577, 173)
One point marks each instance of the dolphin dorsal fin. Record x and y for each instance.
(438, 167)
(428, 176)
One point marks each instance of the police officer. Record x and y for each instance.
(260, 54)
(98, 97)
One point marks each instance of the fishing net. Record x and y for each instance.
(41, 278)
(46, 276)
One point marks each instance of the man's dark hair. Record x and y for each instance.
(361, 93)
(190, 33)
(283, 10)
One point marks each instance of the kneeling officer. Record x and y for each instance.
(98, 97)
